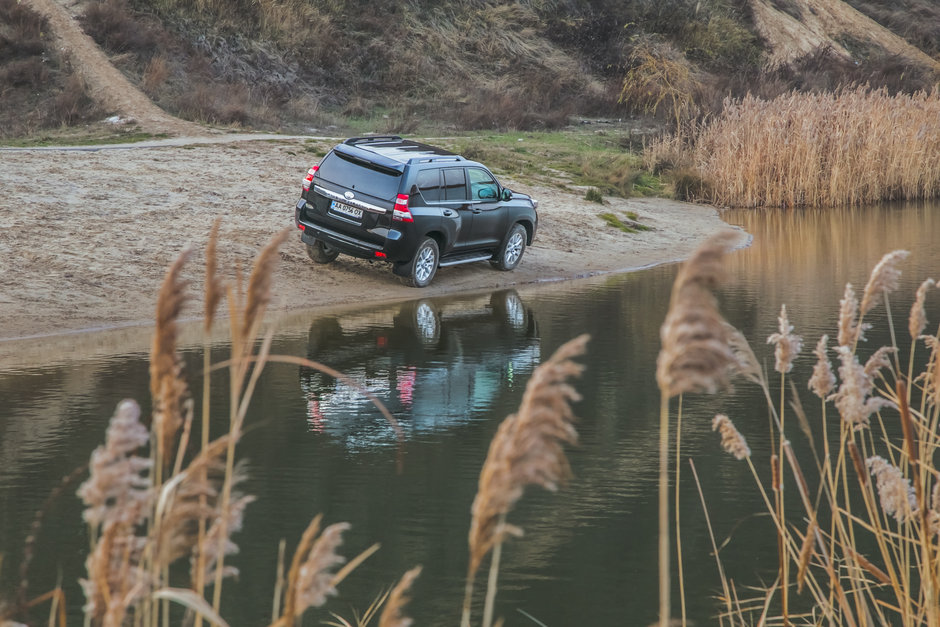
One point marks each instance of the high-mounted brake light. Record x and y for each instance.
(401, 213)
(309, 178)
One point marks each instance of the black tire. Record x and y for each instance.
(510, 253)
(321, 253)
(423, 266)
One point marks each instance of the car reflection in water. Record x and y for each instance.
(435, 363)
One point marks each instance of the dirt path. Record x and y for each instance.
(106, 84)
(86, 236)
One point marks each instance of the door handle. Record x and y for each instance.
(448, 213)
(477, 211)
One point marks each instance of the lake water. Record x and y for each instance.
(450, 369)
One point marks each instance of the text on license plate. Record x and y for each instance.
(345, 209)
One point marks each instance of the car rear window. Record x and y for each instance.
(359, 175)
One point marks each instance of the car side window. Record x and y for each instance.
(455, 184)
(482, 184)
(429, 185)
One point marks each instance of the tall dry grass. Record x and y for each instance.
(152, 506)
(850, 147)
(864, 546)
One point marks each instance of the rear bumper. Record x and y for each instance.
(390, 249)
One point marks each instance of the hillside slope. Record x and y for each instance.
(829, 24)
(105, 84)
(301, 66)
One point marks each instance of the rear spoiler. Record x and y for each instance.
(368, 159)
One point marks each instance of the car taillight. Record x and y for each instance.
(309, 178)
(401, 213)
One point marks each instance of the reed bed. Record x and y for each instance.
(155, 504)
(850, 147)
(863, 547)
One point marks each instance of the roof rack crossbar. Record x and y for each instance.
(437, 158)
(372, 138)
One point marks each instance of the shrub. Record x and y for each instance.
(659, 78)
(111, 24)
(593, 195)
(30, 72)
(71, 104)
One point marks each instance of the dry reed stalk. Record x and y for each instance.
(167, 389)
(214, 289)
(392, 613)
(526, 450)
(245, 316)
(806, 554)
(696, 356)
(858, 464)
(879, 574)
(787, 345)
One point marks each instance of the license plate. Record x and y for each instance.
(345, 209)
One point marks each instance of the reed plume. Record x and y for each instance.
(883, 280)
(167, 388)
(214, 286)
(850, 331)
(746, 364)
(823, 380)
(118, 500)
(695, 354)
(526, 450)
(259, 285)
(310, 580)
(878, 361)
(115, 580)
(852, 398)
(118, 488)
(787, 345)
(894, 491)
(917, 321)
(392, 613)
(218, 543)
(731, 439)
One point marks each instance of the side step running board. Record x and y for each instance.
(460, 260)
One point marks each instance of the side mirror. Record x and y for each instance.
(507, 194)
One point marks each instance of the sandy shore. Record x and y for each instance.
(86, 235)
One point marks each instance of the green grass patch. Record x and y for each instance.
(593, 195)
(571, 157)
(614, 221)
(52, 139)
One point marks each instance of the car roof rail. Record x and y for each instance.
(368, 139)
(427, 159)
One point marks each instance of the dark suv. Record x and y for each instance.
(413, 205)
